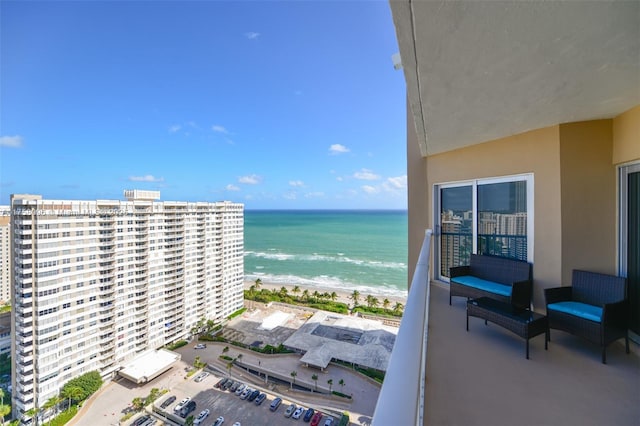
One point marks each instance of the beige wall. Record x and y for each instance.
(588, 198)
(626, 136)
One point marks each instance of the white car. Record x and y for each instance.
(240, 389)
(296, 415)
(203, 415)
(237, 424)
(200, 377)
(200, 346)
(219, 421)
(246, 393)
(181, 404)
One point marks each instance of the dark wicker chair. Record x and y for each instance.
(605, 296)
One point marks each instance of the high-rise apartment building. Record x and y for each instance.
(5, 263)
(99, 282)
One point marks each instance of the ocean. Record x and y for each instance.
(345, 250)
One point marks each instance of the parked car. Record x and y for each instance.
(315, 420)
(221, 382)
(237, 424)
(200, 346)
(275, 404)
(296, 414)
(228, 384)
(181, 404)
(328, 421)
(167, 402)
(240, 389)
(234, 386)
(253, 395)
(246, 393)
(290, 409)
(187, 409)
(200, 377)
(141, 420)
(219, 421)
(308, 414)
(260, 398)
(203, 415)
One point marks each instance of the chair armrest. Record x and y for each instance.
(616, 314)
(459, 271)
(521, 294)
(557, 294)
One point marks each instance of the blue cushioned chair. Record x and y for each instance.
(593, 307)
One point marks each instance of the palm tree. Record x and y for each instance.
(398, 308)
(316, 295)
(385, 303)
(137, 403)
(189, 421)
(51, 403)
(315, 379)
(330, 383)
(4, 410)
(229, 365)
(334, 296)
(258, 283)
(341, 383)
(326, 295)
(283, 291)
(374, 302)
(369, 300)
(295, 290)
(355, 296)
(293, 375)
(71, 393)
(33, 413)
(305, 294)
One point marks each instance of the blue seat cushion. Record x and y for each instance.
(490, 286)
(582, 310)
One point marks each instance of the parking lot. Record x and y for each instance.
(227, 404)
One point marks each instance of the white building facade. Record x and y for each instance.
(99, 282)
(5, 263)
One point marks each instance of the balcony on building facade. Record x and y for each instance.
(482, 377)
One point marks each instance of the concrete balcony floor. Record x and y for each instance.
(482, 377)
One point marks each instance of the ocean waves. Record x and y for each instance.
(338, 258)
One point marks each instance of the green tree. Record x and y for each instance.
(34, 413)
(316, 295)
(296, 290)
(4, 410)
(398, 308)
(189, 421)
(334, 296)
(293, 375)
(330, 383)
(315, 379)
(355, 296)
(305, 294)
(385, 303)
(71, 393)
(52, 403)
(137, 403)
(229, 366)
(89, 383)
(225, 349)
(258, 283)
(341, 383)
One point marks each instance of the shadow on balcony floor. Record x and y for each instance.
(481, 377)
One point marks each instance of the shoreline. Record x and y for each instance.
(343, 296)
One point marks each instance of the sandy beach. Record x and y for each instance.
(343, 296)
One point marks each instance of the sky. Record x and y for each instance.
(274, 104)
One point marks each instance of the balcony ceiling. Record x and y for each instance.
(482, 70)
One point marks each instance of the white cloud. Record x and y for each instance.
(290, 195)
(317, 194)
(339, 178)
(399, 182)
(219, 129)
(11, 141)
(369, 189)
(232, 187)
(336, 148)
(175, 128)
(146, 178)
(366, 174)
(296, 183)
(252, 35)
(250, 179)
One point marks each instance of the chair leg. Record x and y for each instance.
(626, 341)
(449, 298)
(604, 354)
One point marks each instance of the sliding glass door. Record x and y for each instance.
(630, 239)
(484, 216)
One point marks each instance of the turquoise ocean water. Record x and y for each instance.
(341, 250)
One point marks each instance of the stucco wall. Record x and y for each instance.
(588, 198)
(536, 152)
(626, 136)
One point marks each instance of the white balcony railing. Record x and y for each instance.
(401, 399)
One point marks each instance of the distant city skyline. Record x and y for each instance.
(276, 105)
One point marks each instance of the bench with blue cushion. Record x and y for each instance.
(500, 278)
(593, 307)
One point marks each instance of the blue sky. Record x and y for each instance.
(274, 104)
